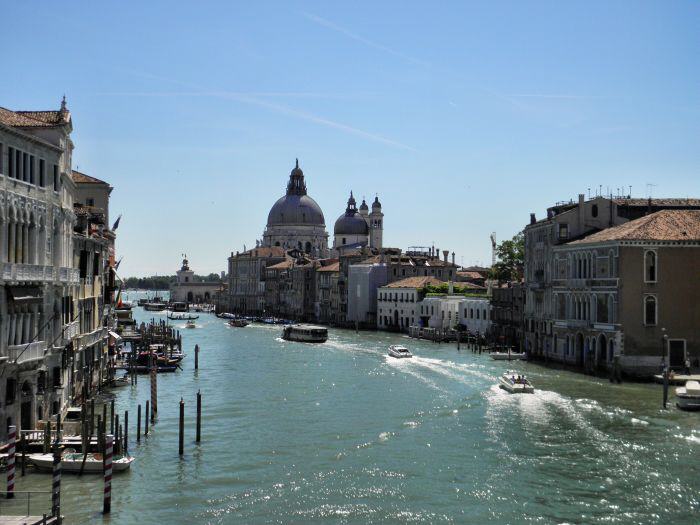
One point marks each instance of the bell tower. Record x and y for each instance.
(376, 224)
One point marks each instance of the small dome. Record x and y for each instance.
(350, 225)
(363, 206)
(351, 222)
(376, 203)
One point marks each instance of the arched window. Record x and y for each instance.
(594, 210)
(650, 310)
(650, 266)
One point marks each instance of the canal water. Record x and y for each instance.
(340, 433)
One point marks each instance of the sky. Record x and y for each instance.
(464, 117)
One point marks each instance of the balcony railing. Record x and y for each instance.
(70, 331)
(38, 273)
(86, 340)
(27, 352)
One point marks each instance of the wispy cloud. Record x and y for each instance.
(370, 43)
(258, 99)
(553, 96)
(260, 94)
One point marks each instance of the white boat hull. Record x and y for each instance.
(504, 356)
(516, 388)
(73, 463)
(688, 396)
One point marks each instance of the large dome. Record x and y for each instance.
(296, 209)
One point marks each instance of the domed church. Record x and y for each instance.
(359, 228)
(296, 220)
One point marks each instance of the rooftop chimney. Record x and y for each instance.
(532, 218)
(581, 212)
(445, 254)
(453, 258)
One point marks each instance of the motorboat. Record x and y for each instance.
(515, 383)
(305, 333)
(508, 356)
(190, 324)
(399, 352)
(73, 462)
(120, 381)
(238, 323)
(688, 396)
(154, 307)
(182, 317)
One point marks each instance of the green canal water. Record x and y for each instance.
(340, 433)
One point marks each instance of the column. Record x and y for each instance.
(11, 329)
(18, 242)
(32, 244)
(18, 328)
(25, 243)
(11, 231)
(27, 335)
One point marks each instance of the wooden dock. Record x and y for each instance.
(28, 520)
(677, 379)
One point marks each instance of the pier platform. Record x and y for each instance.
(677, 379)
(28, 520)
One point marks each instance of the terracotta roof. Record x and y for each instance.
(33, 119)
(470, 275)
(415, 282)
(83, 178)
(664, 225)
(335, 267)
(287, 263)
(671, 202)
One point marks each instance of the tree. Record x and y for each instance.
(511, 258)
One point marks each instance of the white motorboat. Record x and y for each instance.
(507, 356)
(399, 352)
(515, 383)
(190, 324)
(73, 461)
(120, 381)
(688, 396)
(305, 333)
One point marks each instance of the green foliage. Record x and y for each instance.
(444, 289)
(511, 258)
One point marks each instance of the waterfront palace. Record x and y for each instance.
(57, 271)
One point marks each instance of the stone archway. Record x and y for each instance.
(190, 297)
(601, 356)
(579, 349)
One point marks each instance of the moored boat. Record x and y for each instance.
(399, 352)
(507, 356)
(73, 462)
(515, 383)
(182, 317)
(154, 307)
(238, 323)
(688, 396)
(305, 333)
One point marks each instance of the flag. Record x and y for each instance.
(116, 223)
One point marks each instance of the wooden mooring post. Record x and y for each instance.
(107, 501)
(138, 424)
(181, 443)
(145, 432)
(11, 438)
(56, 482)
(198, 437)
(196, 357)
(126, 432)
(111, 417)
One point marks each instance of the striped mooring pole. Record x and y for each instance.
(154, 389)
(56, 484)
(109, 449)
(12, 438)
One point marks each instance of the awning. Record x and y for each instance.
(115, 335)
(25, 294)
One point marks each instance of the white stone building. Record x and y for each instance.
(189, 289)
(54, 253)
(475, 314)
(398, 303)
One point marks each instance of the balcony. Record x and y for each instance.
(69, 332)
(38, 273)
(27, 352)
(87, 340)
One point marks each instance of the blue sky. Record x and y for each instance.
(464, 117)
